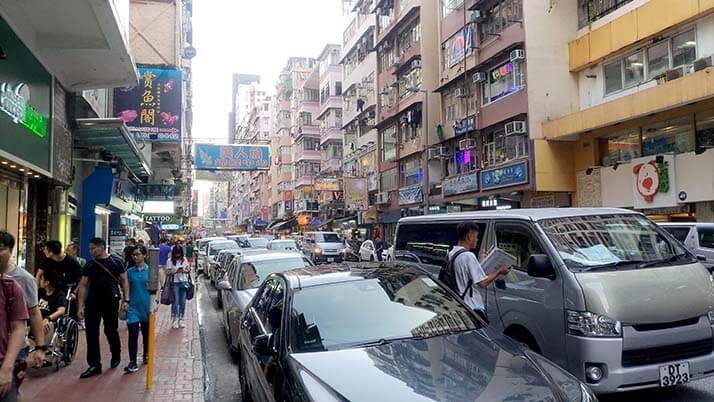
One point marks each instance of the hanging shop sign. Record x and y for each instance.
(460, 45)
(410, 195)
(152, 110)
(289, 206)
(160, 219)
(327, 184)
(505, 176)
(25, 102)
(232, 157)
(464, 183)
(463, 126)
(654, 182)
(356, 194)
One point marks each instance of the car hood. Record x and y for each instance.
(478, 365)
(651, 295)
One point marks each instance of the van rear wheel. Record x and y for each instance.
(522, 336)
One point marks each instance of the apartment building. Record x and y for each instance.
(306, 145)
(642, 132)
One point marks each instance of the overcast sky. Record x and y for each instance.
(252, 37)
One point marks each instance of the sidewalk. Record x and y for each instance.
(178, 369)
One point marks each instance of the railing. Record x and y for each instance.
(590, 11)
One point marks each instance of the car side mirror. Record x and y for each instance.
(701, 258)
(540, 266)
(263, 344)
(224, 285)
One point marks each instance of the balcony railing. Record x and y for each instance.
(590, 11)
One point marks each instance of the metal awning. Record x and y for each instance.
(113, 136)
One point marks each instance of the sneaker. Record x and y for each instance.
(131, 368)
(91, 372)
(145, 360)
(175, 324)
(115, 363)
(181, 324)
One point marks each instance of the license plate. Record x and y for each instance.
(330, 260)
(674, 374)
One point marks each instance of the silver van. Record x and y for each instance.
(323, 247)
(697, 237)
(604, 293)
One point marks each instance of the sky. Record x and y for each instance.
(251, 37)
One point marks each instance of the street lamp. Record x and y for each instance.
(425, 157)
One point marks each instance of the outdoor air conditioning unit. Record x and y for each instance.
(438, 152)
(460, 92)
(515, 127)
(674, 73)
(517, 55)
(467, 143)
(478, 77)
(704, 62)
(397, 61)
(416, 63)
(383, 198)
(477, 17)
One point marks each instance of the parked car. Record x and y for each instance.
(212, 249)
(323, 247)
(201, 252)
(244, 275)
(697, 237)
(254, 242)
(604, 293)
(283, 245)
(350, 251)
(224, 257)
(307, 332)
(368, 251)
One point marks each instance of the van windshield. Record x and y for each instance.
(612, 241)
(327, 238)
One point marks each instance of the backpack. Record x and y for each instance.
(447, 274)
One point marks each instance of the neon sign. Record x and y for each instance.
(15, 102)
(502, 71)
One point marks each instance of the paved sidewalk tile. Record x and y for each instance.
(178, 369)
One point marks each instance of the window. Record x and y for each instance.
(408, 131)
(431, 242)
(409, 37)
(677, 232)
(705, 129)
(409, 82)
(338, 88)
(706, 237)
(499, 147)
(675, 135)
(658, 59)
(684, 49)
(621, 147)
(448, 6)
(613, 76)
(306, 118)
(502, 81)
(463, 161)
(500, 16)
(410, 170)
(517, 241)
(634, 69)
(389, 143)
(388, 181)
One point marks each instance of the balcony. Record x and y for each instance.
(332, 102)
(306, 155)
(304, 180)
(312, 130)
(363, 27)
(331, 133)
(331, 165)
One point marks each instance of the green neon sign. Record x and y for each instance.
(14, 101)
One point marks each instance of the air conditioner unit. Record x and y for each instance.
(378, 11)
(478, 77)
(383, 198)
(515, 127)
(467, 143)
(438, 152)
(460, 92)
(704, 62)
(416, 63)
(397, 61)
(477, 17)
(675, 73)
(369, 122)
(517, 55)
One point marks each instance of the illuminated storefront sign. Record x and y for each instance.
(15, 102)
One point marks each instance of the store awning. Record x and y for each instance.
(274, 223)
(260, 222)
(112, 135)
(290, 223)
(315, 222)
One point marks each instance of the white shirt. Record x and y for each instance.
(182, 276)
(467, 267)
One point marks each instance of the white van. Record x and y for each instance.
(604, 293)
(697, 237)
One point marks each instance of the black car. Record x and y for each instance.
(383, 332)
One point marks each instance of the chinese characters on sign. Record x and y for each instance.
(356, 194)
(465, 183)
(505, 176)
(410, 195)
(14, 101)
(232, 157)
(152, 109)
(327, 184)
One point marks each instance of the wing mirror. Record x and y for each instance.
(701, 258)
(540, 266)
(263, 344)
(224, 285)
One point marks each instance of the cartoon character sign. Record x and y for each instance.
(648, 179)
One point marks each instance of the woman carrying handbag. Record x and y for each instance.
(178, 272)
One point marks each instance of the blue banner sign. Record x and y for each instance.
(232, 157)
(505, 176)
(464, 183)
(410, 195)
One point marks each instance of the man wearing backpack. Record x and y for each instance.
(466, 269)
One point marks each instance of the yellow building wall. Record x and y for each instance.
(554, 167)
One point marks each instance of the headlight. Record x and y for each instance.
(711, 317)
(585, 323)
(317, 250)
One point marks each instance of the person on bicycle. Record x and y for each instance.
(139, 308)
(52, 301)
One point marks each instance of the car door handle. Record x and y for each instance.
(244, 324)
(500, 283)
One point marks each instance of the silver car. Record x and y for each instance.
(283, 245)
(218, 267)
(244, 276)
(697, 237)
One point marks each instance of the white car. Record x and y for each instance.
(283, 245)
(368, 252)
(697, 237)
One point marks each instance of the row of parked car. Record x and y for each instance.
(599, 300)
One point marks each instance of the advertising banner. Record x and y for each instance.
(152, 109)
(460, 45)
(464, 183)
(232, 157)
(411, 195)
(212, 176)
(327, 184)
(356, 194)
(505, 176)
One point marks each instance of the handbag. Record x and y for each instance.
(190, 289)
(167, 296)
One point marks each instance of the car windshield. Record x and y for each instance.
(706, 237)
(327, 238)
(257, 242)
(612, 241)
(354, 313)
(253, 272)
(284, 245)
(216, 247)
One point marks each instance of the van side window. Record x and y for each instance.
(678, 233)
(431, 242)
(706, 237)
(516, 240)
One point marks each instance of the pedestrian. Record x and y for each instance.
(177, 271)
(468, 270)
(137, 317)
(28, 285)
(13, 313)
(57, 261)
(73, 251)
(51, 300)
(378, 247)
(189, 252)
(164, 252)
(101, 279)
(129, 252)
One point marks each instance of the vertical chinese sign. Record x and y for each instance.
(152, 109)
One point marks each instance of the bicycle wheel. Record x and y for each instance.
(71, 340)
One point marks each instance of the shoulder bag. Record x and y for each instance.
(116, 289)
(167, 294)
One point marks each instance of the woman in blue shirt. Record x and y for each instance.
(139, 307)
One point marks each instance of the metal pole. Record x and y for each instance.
(426, 152)
(150, 352)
